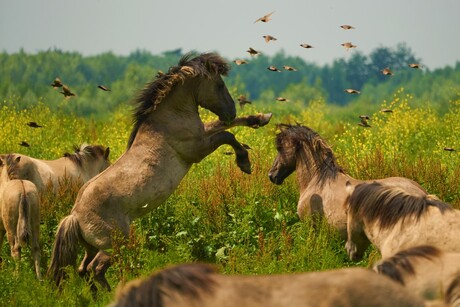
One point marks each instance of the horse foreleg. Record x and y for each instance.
(98, 266)
(253, 121)
(242, 156)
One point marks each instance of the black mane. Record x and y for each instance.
(394, 266)
(388, 204)
(309, 145)
(188, 279)
(83, 152)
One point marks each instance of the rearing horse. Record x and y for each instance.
(167, 138)
(322, 182)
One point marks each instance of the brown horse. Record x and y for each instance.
(167, 138)
(19, 212)
(393, 220)
(322, 182)
(424, 270)
(200, 285)
(86, 162)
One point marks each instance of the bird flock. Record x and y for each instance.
(386, 71)
(67, 93)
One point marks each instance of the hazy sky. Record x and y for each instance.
(429, 27)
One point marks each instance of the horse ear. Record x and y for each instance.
(188, 70)
(106, 153)
(349, 187)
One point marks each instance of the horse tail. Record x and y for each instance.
(23, 229)
(65, 249)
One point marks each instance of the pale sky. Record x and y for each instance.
(429, 27)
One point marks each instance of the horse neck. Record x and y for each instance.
(178, 101)
(306, 171)
(4, 177)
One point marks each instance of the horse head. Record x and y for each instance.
(285, 160)
(210, 91)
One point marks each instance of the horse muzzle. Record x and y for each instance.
(275, 179)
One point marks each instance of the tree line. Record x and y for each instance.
(26, 78)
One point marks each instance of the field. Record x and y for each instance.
(242, 223)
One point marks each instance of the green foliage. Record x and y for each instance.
(26, 78)
(242, 223)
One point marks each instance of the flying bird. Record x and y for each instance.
(33, 125)
(24, 144)
(104, 88)
(66, 91)
(265, 18)
(269, 38)
(364, 122)
(414, 65)
(351, 91)
(282, 99)
(243, 100)
(252, 51)
(290, 68)
(387, 71)
(347, 27)
(366, 117)
(348, 46)
(240, 62)
(306, 46)
(449, 149)
(56, 83)
(273, 68)
(387, 110)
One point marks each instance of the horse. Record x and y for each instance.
(321, 180)
(86, 162)
(201, 285)
(19, 213)
(424, 270)
(167, 138)
(392, 220)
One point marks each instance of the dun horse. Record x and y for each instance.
(19, 212)
(200, 285)
(86, 162)
(322, 182)
(167, 139)
(424, 270)
(393, 220)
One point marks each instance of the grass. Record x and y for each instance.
(242, 223)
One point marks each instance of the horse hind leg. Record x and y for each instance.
(35, 248)
(98, 266)
(83, 272)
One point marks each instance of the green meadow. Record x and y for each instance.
(242, 223)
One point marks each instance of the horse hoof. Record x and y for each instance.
(246, 169)
(265, 119)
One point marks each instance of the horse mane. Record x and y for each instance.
(389, 204)
(187, 279)
(402, 262)
(204, 65)
(83, 152)
(311, 146)
(12, 165)
(453, 292)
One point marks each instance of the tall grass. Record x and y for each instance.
(242, 223)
